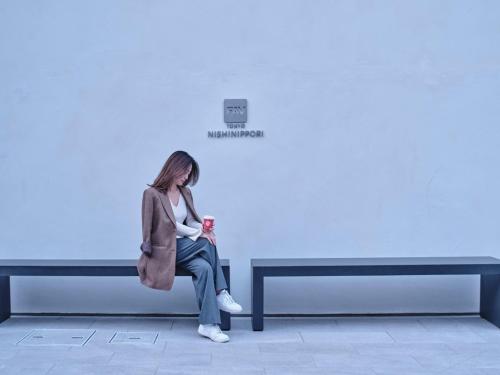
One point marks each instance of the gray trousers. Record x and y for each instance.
(201, 259)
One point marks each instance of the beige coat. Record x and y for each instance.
(159, 237)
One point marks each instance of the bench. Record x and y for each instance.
(487, 267)
(91, 267)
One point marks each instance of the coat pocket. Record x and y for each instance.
(158, 248)
(162, 252)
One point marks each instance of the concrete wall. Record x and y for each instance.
(381, 123)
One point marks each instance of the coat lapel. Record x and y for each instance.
(189, 203)
(167, 206)
(165, 202)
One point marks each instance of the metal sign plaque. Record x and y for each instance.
(235, 117)
(235, 110)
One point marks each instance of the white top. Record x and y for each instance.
(181, 213)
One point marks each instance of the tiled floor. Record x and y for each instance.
(396, 345)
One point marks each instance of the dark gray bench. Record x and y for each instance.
(487, 267)
(91, 267)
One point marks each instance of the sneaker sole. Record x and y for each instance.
(230, 311)
(208, 337)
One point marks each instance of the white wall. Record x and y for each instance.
(381, 139)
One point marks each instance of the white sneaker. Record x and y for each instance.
(213, 332)
(226, 303)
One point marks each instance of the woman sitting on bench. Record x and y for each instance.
(173, 234)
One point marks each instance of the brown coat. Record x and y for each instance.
(159, 238)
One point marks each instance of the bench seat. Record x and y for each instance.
(80, 267)
(486, 266)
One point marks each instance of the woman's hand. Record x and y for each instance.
(210, 236)
(211, 230)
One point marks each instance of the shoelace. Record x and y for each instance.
(228, 297)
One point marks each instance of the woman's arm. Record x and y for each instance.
(192, 225)
(191, 221)
(184, 230)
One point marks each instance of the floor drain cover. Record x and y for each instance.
(135, 337)
(69, 337)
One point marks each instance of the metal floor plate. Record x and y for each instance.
(134, 337)
(51, 337)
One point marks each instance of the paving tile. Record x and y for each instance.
(485, 359)
(402, 348)
(29, 322)
(441, 324)
(11, 337)
(403, 370)
(490, 371)
(308, 348)
(46, 357)
(360, 360)
(7, 353)
(60, 355)
(114, 323)
(462, 370)
(476, 323)
(263, 359)
(318, 371)
(133, 358)
(25, 369)
(207, 346)
(91, 369)
(490, 336)
(379, 324)
(206, 370)
(288, 324)
(442, 361)
(82, 322)
(186, 359)
(347, 337)
(448, 336)
(474, 348)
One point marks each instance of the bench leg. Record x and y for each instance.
(225, 317)
(4, 298)
(490, 298)
(257, 300)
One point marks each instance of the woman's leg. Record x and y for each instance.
(210, 254)
(203, 280)
(187, 250)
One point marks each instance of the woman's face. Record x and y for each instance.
(183, 178)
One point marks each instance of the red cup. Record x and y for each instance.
(208, 223)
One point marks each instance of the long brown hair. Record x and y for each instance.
(176, 165)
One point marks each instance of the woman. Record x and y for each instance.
(173, 235)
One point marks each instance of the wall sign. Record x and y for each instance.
(235, 110)
(235, 117)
